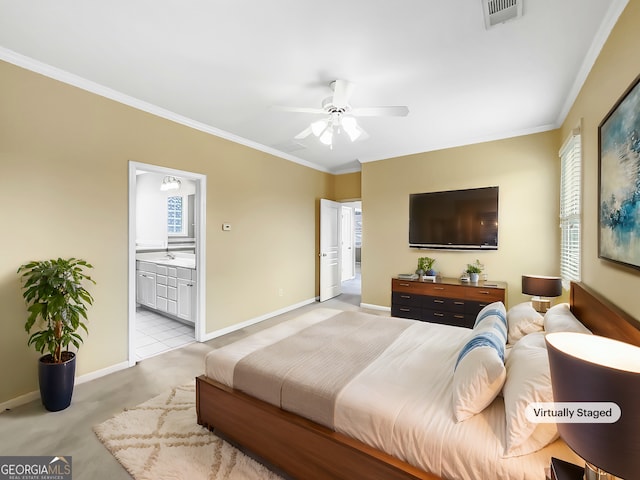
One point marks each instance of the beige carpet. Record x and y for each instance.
(160, 439)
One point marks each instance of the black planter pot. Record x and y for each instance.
(56, 381)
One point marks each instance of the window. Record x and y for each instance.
(176, 215)
(570, 208)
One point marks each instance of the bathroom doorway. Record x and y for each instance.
(351, 247)
(166, 259)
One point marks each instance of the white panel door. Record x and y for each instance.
(330, 270)
(348, 258)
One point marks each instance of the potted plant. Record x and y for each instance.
(474, 270)
(425, 264)
(55, 295)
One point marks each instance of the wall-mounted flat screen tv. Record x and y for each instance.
(456, 219)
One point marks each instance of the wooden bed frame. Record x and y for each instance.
(303, 449)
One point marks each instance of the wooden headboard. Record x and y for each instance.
(603, 317)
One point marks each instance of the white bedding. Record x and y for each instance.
(401, 404)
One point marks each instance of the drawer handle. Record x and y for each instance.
(405, 309)
(438, 301)
(405, 296)
(405, 285)
(459, 316)
(438, 314)
(458, 303)
(438, 288)
(484, 292)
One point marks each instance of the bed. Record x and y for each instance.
(330, 444)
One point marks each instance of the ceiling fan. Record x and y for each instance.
(340, 115)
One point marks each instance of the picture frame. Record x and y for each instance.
(619, 180)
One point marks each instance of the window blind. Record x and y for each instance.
(570, 208)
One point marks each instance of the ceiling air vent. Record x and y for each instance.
(500, 11)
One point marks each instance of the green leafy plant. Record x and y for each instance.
(54, 292)
(425, 263)
(475, 267)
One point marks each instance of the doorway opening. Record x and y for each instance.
(351, 249)
(166, 259)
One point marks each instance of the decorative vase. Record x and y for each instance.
(473, 277)
(56, 381)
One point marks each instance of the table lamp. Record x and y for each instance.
(590, 368)
(541, 286)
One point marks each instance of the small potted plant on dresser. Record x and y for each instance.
(425, 266)
(55, 294)
(474, 270)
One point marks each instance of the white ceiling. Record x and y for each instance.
(221, 65)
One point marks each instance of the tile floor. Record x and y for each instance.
(156, 333)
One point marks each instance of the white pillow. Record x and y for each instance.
(522, 320)
(528, 381)
(560, 319)
(480, 372)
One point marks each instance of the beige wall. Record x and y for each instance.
(616, 68)
(526, 170)
(347, 186)
(64, 157)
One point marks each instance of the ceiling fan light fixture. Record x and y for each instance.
(351, 127)
(318, 127)
(327, 137)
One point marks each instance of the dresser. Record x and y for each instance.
(447, 300)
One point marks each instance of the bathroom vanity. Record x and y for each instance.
(167, 283)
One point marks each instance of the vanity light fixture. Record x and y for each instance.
(170, 183)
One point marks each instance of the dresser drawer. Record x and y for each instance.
(406, 286)
(443, 303)
(448, 318)
(473, 308)
(407, 299)
(406, 311)
(488, 295)
(441, 290)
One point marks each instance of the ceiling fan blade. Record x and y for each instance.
(303, 134)
(299, 109)
(342, 91)
(391, 111)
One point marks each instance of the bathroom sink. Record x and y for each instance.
(162, 259)
(176, 262)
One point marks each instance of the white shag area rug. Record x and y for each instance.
(160, 440)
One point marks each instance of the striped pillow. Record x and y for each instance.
(479, 373)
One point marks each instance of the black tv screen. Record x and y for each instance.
(457, 219)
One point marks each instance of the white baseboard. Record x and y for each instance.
(31, 396)
(87, 377)
(21, 400)
(252, 321)
(371, 306)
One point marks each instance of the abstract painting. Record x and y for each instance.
(619, 180)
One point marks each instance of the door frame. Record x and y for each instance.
(200, 234)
